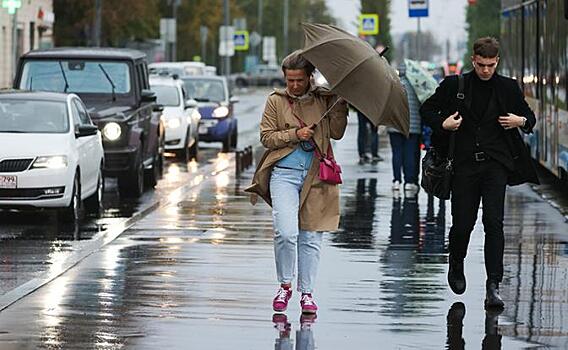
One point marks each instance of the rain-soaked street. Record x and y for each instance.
(191, 266)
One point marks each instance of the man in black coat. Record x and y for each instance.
(489, 153)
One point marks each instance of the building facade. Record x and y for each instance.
(31, 27)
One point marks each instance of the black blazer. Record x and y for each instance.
(510, 99)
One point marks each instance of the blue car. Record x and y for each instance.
(218, 122)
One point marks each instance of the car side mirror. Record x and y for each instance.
(86, 130)
(234, 99)
(158, 108)
(148, 96)
(191, 103)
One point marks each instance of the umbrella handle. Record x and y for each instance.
(326, 112)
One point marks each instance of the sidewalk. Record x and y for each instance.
(200, 273)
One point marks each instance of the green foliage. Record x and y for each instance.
(483, 19)
(122, 21)
(382, 8)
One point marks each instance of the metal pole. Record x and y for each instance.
(259, 28)
(285, 28)
(14, 39)
(174, 44)
(227, 69)
(98, 19)
(259, 25)
(418, 41)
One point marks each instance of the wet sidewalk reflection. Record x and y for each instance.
(199, 273)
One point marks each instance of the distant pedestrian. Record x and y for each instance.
(367, 138)
(406, 151)
(303, 207)
(488, 154)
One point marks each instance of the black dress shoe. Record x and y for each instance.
(456, 278)
(492, 298)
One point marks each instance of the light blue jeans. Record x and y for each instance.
(289, 241)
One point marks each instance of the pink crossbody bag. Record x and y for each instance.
(329, 170)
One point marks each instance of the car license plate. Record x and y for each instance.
(203, 129)
(8, 181)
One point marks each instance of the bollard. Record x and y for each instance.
(238, 162)
(243, 159)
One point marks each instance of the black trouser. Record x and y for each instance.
(472, 182)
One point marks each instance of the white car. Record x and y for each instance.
(181, 116)
(51, 154)
(182, 68)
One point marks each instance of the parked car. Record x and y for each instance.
(182, 68)
(262, 74)
(51, 153)
(113, 84)
(218, 123)
(180, 115)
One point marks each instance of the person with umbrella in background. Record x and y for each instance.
(489, 154)
(303, 206)
(405, 150)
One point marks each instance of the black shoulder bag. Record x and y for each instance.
(437, 170)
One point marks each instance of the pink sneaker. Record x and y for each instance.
(308, 304)
(280, 302)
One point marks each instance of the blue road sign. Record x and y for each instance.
(369, 24)
(417, 8)
(241, 40)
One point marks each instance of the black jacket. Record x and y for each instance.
(509, 99)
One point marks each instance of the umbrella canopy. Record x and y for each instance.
(356, 72)
(421, 80)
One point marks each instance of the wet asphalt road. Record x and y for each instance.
(198, 272)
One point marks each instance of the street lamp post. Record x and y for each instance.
(227, 60)
(285, 27)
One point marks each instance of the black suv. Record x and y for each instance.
(113, 84)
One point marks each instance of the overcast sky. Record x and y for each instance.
(446, 20)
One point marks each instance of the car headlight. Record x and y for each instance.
(112, 131)
(173, 123)
(50, 162)
(221, 112)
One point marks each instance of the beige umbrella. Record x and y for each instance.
(356, 72)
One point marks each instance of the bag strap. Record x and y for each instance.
(311, 141)
(461, 97)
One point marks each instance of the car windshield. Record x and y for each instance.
(29, 116)
(166, 95)
(205, 90)
(165, 71)
(79, 76)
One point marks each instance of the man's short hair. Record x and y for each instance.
(486, 47)
(295, 60)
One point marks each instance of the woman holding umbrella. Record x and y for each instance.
(303, 206)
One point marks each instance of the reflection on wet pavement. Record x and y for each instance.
(199, 272)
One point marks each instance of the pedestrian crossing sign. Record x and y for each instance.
(241, 40)
(369, 24)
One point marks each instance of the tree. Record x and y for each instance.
(483, 19)
(122, 21)
(382, 8)
(407, 46)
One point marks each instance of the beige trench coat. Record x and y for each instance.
(319, 201)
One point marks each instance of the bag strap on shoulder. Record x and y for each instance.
(460, 95)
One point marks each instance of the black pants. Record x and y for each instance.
(484, 181)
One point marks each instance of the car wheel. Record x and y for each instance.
(227, 143)
(194, 149)
(277, 83)
(72, 213)
(241, 83)
(94, 203)
(234, 138)
(183, 153)
(151, 177)
(131, 184)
